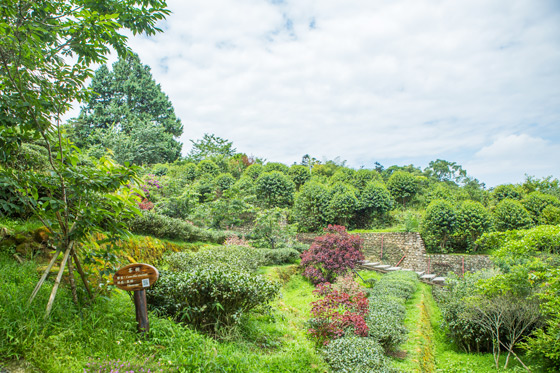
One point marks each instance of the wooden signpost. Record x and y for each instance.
(137, 277)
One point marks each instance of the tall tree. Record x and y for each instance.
(130, 115)
(210, 146)
(46, 50)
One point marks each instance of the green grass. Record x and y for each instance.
(20, 225)
(264, 342)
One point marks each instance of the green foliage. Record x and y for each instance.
(375, 199)
(462, 330)
(343, 175)
(275, 189)
(311, 207)
(363, 177)
(224, 181)
(130, 115)
(536, 202)
(342, 206)
(550, 215)
(276, 166)
(210, 146)
(160, 226)
(210, 297)
(271, 229)
(299, 175)
(473, 220)
(208, 167)
(507, 191)
(280, 256)
(178, 206)
(403, 186)
(238, 258)
(354, 354)
(510, 214)
(443, 170)
(254, 171)
(439, 224)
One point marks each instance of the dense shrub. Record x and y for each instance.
(342, 206)
(331, 255)
(275, 189)
(536, 202)
(507, 191)
(353, 354)
(311, 207)
(224, 181)
(209, 297)
(234, 257)
(510, 214)
(550, 215)
(276, 166)
(375, 199)
(458, 326)
(160, 226)
(208, 167)
(280, 256)
(438, 225)
(403, 186)
(337, 314)
(473, 220)
(386, 309)
(299, 175)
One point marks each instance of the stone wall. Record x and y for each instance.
(440, 264)
(391, 247)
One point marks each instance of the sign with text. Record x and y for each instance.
(137, 276)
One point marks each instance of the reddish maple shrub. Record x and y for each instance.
(331, 255)
(146, 205)
(337, 314)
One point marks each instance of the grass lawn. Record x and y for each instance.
(268, 341)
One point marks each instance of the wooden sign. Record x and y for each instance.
(136, 276)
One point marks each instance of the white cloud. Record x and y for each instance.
(364, 80)
(509, 158)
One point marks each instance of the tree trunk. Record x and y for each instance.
(44, 276)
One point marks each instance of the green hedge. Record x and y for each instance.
(210, 297)
(161, 226)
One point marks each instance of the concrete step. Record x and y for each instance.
(438, 280)
(383, 266)
(370, 264)
(420, 274)
(427, 277)
(394, 269)
(406, 269)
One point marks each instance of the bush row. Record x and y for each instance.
(161, 226)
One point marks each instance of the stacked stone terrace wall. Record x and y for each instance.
(391, 247)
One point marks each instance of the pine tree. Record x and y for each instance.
(130, 115)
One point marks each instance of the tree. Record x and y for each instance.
(210, 146)
(375, 200)
(536, 202)
(439, 223)
(403, 186)
(311, 207)
(506, 191)
(130, 115)
(442, 170)
(275, 189)
(510, 214)
(299, 174)
(473, 220)
(46, 49)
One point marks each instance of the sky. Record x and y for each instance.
(391, 81)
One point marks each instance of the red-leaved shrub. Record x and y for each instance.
(146, 205)
(337, 314)
(331, 255)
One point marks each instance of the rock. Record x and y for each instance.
(41, 235)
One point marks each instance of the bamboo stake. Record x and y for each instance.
(72, 281)
(81, 272)
(57, 282)
(44, 277)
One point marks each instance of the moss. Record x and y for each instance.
(41, 235)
